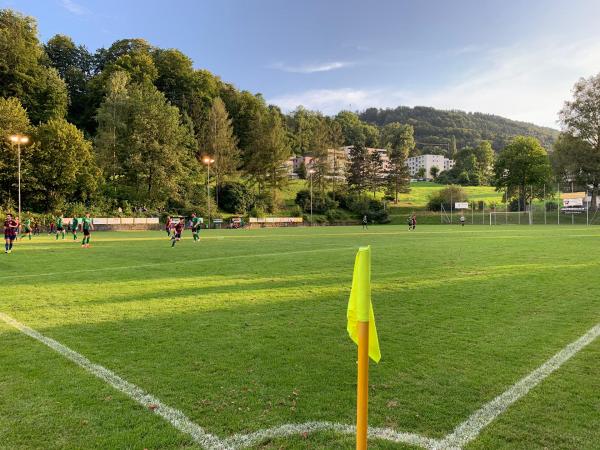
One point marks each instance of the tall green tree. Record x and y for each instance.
(521, 168)
(143, 142)
(267, 151)
(374, 172)
(356, 131)
(112, 135)
(220, 143)
(62, 165)
(23, 73)
(74, 64)
(157, 152)
(580, 119)
(576, 159)
(357, 169)
(399, 140)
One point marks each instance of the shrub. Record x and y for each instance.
(445, 197)
(336, 215)
(257, 211)
(235, 198)
(320, 202)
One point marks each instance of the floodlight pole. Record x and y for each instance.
(19, 170)
(19, 139)
(208, 161)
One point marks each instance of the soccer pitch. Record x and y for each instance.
(240, 342)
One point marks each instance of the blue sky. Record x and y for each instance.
(516, 58)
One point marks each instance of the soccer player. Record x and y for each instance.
(179, 227)
(409, 221)
(414, 221)
(10, 232)
(87, 225)
(74, 227)
(196, 227)
(60, 227)
(168, 226)
(26, 228)
(365, 222)
(462, 221)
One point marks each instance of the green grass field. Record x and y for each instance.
(246, 331)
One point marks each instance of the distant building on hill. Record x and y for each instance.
(338, 159)
(427, 162)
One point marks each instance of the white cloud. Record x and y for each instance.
(311, 68)
(528, 83)
(73, 7)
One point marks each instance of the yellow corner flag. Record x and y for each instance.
(360, 308)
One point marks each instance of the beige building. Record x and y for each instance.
(427, 162)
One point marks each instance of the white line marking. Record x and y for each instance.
(462, 434)
(470, 428)
(248, 440)
(171, 415)
(139, 266)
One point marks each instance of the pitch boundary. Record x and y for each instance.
(464, 433)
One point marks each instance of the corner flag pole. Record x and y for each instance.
(362, 330)
(362, 386)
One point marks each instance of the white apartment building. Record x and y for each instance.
(427, 162)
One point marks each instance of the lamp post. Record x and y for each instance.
(310, 172)
(208, 161)
(19, 139)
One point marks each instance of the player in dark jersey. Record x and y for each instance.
(179, 227)
(60, 227)
(168, 226)
(26, 228)
(74, 227)
(11, 226)
(196, 227)
(87, 225)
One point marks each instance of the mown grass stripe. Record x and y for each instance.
(175, 417)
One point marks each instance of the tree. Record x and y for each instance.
(580, 118)
(158, 145)
(576, 159)
(113, 133)
(22, 70)
(421, 172)
(399, 141)
(268, 149)
(374, 172)
(434, 172)
(13, 120)
(74, 65)
(144, 144)
(357, 176)
(220, 143)
(62, 165)
(484, 165)
(522, 166)
(355, 131)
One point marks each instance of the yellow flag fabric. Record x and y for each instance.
(360, 308)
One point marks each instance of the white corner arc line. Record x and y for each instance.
(175, 417)
(249, 440)
(462, 434)
(470, 428)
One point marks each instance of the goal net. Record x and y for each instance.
(510, 218)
